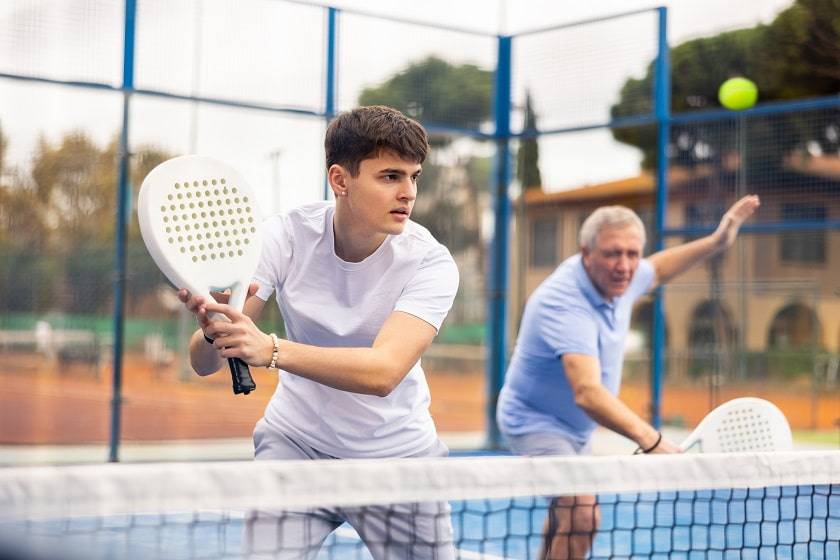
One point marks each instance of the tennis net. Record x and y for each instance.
(757, 505)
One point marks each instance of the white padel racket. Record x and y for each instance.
(199, 221)
(743, 424)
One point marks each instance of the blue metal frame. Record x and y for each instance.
(662, 110)
(497, 290)
(123, 197)
(498, 267)
(622, 122)
(764, 227)
(767, 108)
(330, 78)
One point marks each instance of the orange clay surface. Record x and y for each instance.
(40, 405)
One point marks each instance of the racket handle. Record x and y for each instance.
(242, 380)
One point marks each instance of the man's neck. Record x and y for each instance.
(354, 244)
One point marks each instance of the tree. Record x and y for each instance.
(75, 181)
(437, 93)
(795, 56)
(808, 39)
(57, 229)
(528, 169)
(26, 278)
(26, 275)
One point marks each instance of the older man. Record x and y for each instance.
(564, 376)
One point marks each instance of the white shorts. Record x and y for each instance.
(409, 530)
(540, 444)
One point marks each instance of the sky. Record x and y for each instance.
(688, 18)
(569, 161)
(241, 52)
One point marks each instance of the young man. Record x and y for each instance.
(565, 371)
(363, 291)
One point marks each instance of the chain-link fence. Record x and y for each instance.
(576, 113)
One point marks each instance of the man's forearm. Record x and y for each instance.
(671, 262)
(607, 410)
(368, 371)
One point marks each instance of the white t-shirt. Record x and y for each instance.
(328, 302)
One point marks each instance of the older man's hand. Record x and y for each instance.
(731, 222)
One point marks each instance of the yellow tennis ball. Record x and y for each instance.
(738, 94)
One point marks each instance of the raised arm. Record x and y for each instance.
(376, 370)
(669, 263)
(584, 375)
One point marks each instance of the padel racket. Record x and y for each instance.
(199, 221)
(743, 424)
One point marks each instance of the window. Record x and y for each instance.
(544, 242)
(803, 246)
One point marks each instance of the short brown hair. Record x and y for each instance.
(365, 132)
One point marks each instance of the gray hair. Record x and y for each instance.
(608, 217)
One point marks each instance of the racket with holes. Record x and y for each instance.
(199, 222)
(743, 424)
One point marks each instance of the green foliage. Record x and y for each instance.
(470, 333)
(28, 280)
(528, 169)
(807, 40)
(769, 365)
(479, 169)
(102, 325)
(437, 93)
(443, 220)
(793, 57)
(57, 228)
(450, 218)
(781, 364)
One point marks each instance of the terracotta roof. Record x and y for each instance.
(825, 166)
(640, 185)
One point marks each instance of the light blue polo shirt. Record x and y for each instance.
(565, 314)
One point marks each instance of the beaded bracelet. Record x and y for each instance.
(275, 354)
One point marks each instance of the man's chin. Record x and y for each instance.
(394, 229)
(618, 291)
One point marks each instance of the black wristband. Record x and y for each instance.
(208, 339)
(651, 448)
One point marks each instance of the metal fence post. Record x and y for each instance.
(123, 195)
(662, 111)
(330, 77)
(497, 290)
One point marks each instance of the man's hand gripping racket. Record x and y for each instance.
(743, 424)
(199, 222)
